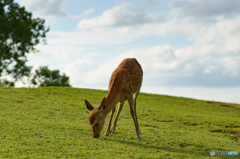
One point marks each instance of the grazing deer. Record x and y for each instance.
(125, 83)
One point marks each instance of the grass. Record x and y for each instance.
(52, 122)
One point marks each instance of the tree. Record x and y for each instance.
(45, 77)
(19, 34)
(5, 82)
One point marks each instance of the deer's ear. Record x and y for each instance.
(102, 105)
(89, 106)
(103, 102)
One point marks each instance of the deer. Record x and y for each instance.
(124, 84)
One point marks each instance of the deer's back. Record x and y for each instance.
(127, 76)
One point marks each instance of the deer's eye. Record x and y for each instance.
(96, 124)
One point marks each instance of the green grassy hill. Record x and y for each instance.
(52, 122)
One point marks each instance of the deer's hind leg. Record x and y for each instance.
(135, 110)
(132, 111)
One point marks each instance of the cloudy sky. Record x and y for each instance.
(187, 48)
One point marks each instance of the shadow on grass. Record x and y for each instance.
(195, 153)
(164, 148)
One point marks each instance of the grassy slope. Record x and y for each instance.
(53, 123)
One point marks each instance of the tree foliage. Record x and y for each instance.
(5, 82)
(19, 34)
(45, 77)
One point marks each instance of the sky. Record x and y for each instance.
(188, 48)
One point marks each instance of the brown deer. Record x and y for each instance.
(125, 83)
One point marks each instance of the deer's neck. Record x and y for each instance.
(111, 101)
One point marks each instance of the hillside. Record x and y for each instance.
(52, 122)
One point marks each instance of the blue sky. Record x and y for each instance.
(187, 48)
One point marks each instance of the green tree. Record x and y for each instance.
(45, 77)
(19, 34)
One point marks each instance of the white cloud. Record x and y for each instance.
(205, 9)
(125, 14)
(109, 37)
(46, 8)
(80, 68)
(77, 68)
(232, 66)
(59, 52)
(85, 14)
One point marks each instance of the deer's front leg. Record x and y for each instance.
(118, 112)
(109, 124)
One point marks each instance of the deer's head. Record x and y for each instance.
(96, 117)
